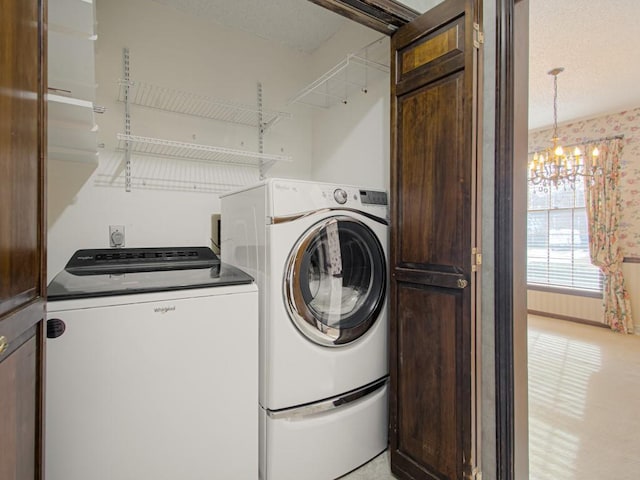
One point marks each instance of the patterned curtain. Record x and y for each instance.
(603, 208)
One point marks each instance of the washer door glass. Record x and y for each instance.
(335, 281)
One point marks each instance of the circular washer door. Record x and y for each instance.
(335, 281)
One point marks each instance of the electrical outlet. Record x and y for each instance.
(116, 236)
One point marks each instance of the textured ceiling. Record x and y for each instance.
(297, 24)
(594, 40)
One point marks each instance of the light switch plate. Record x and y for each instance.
(116, 236)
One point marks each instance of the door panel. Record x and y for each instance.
(441, 46)
(19, 234)
(430, 163)
(22, 237)
(427, 388)
(18, 425)
(433, 191)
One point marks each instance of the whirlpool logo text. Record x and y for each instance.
(164, 309)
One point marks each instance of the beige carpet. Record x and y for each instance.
(584, 405)
(584, 402)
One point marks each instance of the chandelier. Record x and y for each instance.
(553, 166)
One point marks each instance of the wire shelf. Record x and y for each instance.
(158, 147)
(187, 103)
(152, 173)
(149, 183)
(353, 74)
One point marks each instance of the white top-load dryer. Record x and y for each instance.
(319, 255)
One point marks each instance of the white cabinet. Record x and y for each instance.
(71, 77)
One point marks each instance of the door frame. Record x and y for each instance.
(385, 16)
(503, 244)
(386, 21)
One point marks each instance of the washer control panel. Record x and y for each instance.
(373, 197)
(354, 197)
(290, 197)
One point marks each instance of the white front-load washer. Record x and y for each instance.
(319, 255)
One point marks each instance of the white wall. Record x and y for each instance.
(581, 308)
(351, 141)
(345, 144)
(421, 5)
(172, 50)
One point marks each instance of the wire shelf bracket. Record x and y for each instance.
(151, 96)
(127, 120)
(186, 103)
(353, 74)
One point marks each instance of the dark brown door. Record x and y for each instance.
(433, 262)
(22, 277)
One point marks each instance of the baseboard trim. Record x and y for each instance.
(567, 318)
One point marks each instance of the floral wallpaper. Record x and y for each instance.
(625, 123)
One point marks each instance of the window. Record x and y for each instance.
(558, 240)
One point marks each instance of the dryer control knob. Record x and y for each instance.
(340, 196)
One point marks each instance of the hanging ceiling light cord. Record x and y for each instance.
(557, 149)
(555, 73)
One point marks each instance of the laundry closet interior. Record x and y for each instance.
(190, 62)
(158, 109)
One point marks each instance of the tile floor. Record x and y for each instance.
(584, 405)
(376, 469)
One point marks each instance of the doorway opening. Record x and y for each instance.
(575, 392)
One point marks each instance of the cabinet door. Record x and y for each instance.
(433, 287)
(18, 407)
(22, 233)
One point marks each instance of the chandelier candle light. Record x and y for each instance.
(552, 166)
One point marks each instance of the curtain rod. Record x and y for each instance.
(585, 142)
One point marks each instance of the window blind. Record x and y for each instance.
(558, 239)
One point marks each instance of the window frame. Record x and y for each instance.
(551, 288)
